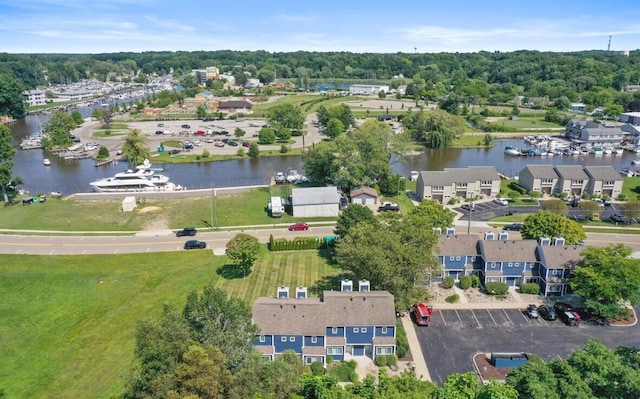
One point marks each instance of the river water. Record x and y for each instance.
(74, 176)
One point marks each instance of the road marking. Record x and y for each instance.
(457, 314)
(115, 251)
(19, 251)
(490, 315)
(84, 252)
(443, 320)
(508, 318)
(474, 316)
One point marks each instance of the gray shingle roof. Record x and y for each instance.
(542, 171)
(560, 256)
(571, 172)
(459, 175)
(315, 196)
(457, 245)
(605, 172)
(312, 316)
(235, 104)
(508, 250)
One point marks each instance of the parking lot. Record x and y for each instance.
(454, 336)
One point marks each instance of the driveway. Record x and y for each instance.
(454, 336)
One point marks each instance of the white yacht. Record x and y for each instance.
(46, 162)
(293, 176)
(141, 179)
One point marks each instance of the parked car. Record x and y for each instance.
(513, 226)
(532, 311)
(389, 206)
(566, 313)
(160, 124)
(187, 231)
(299, 226)
(195, 244)
(246, 144)
(579, 218)
(616, 217)
(469, 207)
(510, 212)
(547, 312)
(501, 201)
(185, 126)
(421, 313)
(159, 132)
(232, 143)
(174, 152)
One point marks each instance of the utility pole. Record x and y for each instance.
(609, 45)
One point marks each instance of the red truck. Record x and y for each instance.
(421, 313)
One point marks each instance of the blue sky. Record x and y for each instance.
(87, 26)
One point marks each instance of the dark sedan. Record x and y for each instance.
(513, 226)
(547, 312)
(195, 244)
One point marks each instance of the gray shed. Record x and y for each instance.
(315, 202)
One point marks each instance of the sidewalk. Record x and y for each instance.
(421, 370)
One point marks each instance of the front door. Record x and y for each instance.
(358, 350)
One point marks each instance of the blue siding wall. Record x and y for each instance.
(319, 342)
(283, 346)
(268, 340)
(513, 270)
(454, 264)
(359, 337)
(340, 332)
(390, 331)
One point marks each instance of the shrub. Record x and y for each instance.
(475, 281)
(329, 359)
(452, 201)
(465, 282)
(317, 368)
(381, 361)
(496, 288)
(240, 152)
(206, 154)
(284, 149)
(448, 282)
(344, 371)
(516, 187)
(402, 344)
(452, 298)
(530, 288)
(392, 360)
(622, 197)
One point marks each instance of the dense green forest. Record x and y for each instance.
(596, 78)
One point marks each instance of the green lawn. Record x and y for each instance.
(525, 123)
(628, 188)
(73, 215)
(67, 322)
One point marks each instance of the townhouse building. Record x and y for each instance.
(571, 179)
(340, 324)
(470, 182)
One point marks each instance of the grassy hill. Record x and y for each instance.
(67, 322)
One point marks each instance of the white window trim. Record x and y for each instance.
(292, 339)
(334, 330)
(263, 338)
(356, 330)
(383, 330)
(283, 339)
(363, 330)
(314, 340)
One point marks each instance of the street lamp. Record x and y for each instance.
(214, 216)
(471, 206)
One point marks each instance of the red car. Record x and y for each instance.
(421, 313)
(299, 226)
(200, 133)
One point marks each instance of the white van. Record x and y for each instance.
(276, 207)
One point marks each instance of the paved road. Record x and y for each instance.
(158, 241)
(449, 344)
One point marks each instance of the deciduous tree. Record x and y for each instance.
(334, 128)
(286, 115)
(243, 249)
(7, 153)
(134, 148)
(59, 126)
(547, 224)
(436, 129)
(354, 214)
(556, 206)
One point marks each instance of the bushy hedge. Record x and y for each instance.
(386, 360)
(317, 368)
(475, 281)
(516, 187)
(530, 288)
(344, 371)
(381, 361)
(296, 244)
(402, 344)
(465, 282)
(448, 282)
(452, 298)
(496, 288)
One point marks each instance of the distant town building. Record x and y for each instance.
(632, 118)
(35, 97)
(360, 89)
(73, 95)
(209, 73)
(253, 83)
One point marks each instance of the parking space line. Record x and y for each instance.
(508, 318)
(443, 320)
(458, 314)
(490, 315)
(474, 316)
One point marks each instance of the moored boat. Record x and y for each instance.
(46, 162)
(514, 152)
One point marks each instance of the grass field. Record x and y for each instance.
(72, 215)
(67, 322)
(527, 123)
